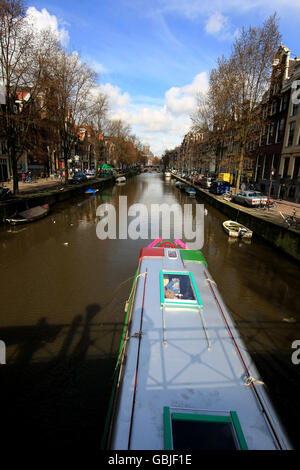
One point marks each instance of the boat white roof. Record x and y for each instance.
(186, 365)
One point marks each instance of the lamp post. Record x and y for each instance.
(271, 180)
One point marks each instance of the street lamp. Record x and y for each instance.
(271, 180)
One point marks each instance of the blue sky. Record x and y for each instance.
(153, 56)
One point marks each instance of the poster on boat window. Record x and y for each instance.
(178, 288)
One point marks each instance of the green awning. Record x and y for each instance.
(106, 167)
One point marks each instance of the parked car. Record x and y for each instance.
(249, 198)
(79, 177)
(90, 174)
(219, 187)
(206, 182)
(5, 193)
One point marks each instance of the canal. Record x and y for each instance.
(63, 292)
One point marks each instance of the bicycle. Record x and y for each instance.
(268, 205)
(227, 195)
(291, 220)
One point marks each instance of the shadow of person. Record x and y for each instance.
(85, 340)
(39, 335)
(69, 337)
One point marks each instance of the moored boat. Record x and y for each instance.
(237, 230)
(91, 191)
(183, 378)
(168, 174)
(191, 191)
(29, 215)
(121, 179)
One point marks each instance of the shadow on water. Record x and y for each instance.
(62, 331)
(55, 397)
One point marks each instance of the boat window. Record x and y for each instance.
(189, 431)
(178, 287)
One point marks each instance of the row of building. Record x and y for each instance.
(90, 149)
(272, 159)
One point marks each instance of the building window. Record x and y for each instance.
(296, 167)
(270, 133)
(280, 130)
(275, 107)
(291, 133)
(286, 167)
(294, 109)
(284, 103)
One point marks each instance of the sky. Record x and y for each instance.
(153, 57)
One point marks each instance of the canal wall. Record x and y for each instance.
(51, 196)
(281, 237)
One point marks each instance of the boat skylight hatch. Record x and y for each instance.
(179, 288)
(189, 431)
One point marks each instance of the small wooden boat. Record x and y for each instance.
(191, 191)
(184, 379)
(179, 184)
(30, 215)
(237, 230)
(91, 191)
(121, 179)
(168, 174)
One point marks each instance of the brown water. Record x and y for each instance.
(62, 314)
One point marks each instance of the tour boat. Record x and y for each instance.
(237, 230)
(183, 378)
(29, 215)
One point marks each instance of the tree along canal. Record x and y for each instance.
(62, 313)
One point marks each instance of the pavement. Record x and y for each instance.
(277, 213)
(37, 185)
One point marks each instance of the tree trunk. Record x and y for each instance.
(14, 167)
(240, 168)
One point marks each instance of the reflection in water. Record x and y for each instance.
(62, 313)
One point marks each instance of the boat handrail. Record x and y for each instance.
(251, 382)
(137, 361)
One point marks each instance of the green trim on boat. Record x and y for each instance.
(167, 429)
(193, 256)
(168, 303)
(202, 418)
(117, 369)
(238, 430)
(207, 418)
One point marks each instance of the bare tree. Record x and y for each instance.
(23, 54)
(99, 121)
(237, 86)
(70, 102)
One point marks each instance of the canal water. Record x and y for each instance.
(63, 292)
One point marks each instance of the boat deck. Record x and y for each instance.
(182, 360)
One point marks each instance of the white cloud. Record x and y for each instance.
(163, 126)
(116, 98)
(43, 20)
(98, 67)
(216, 23)
(183, 100)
